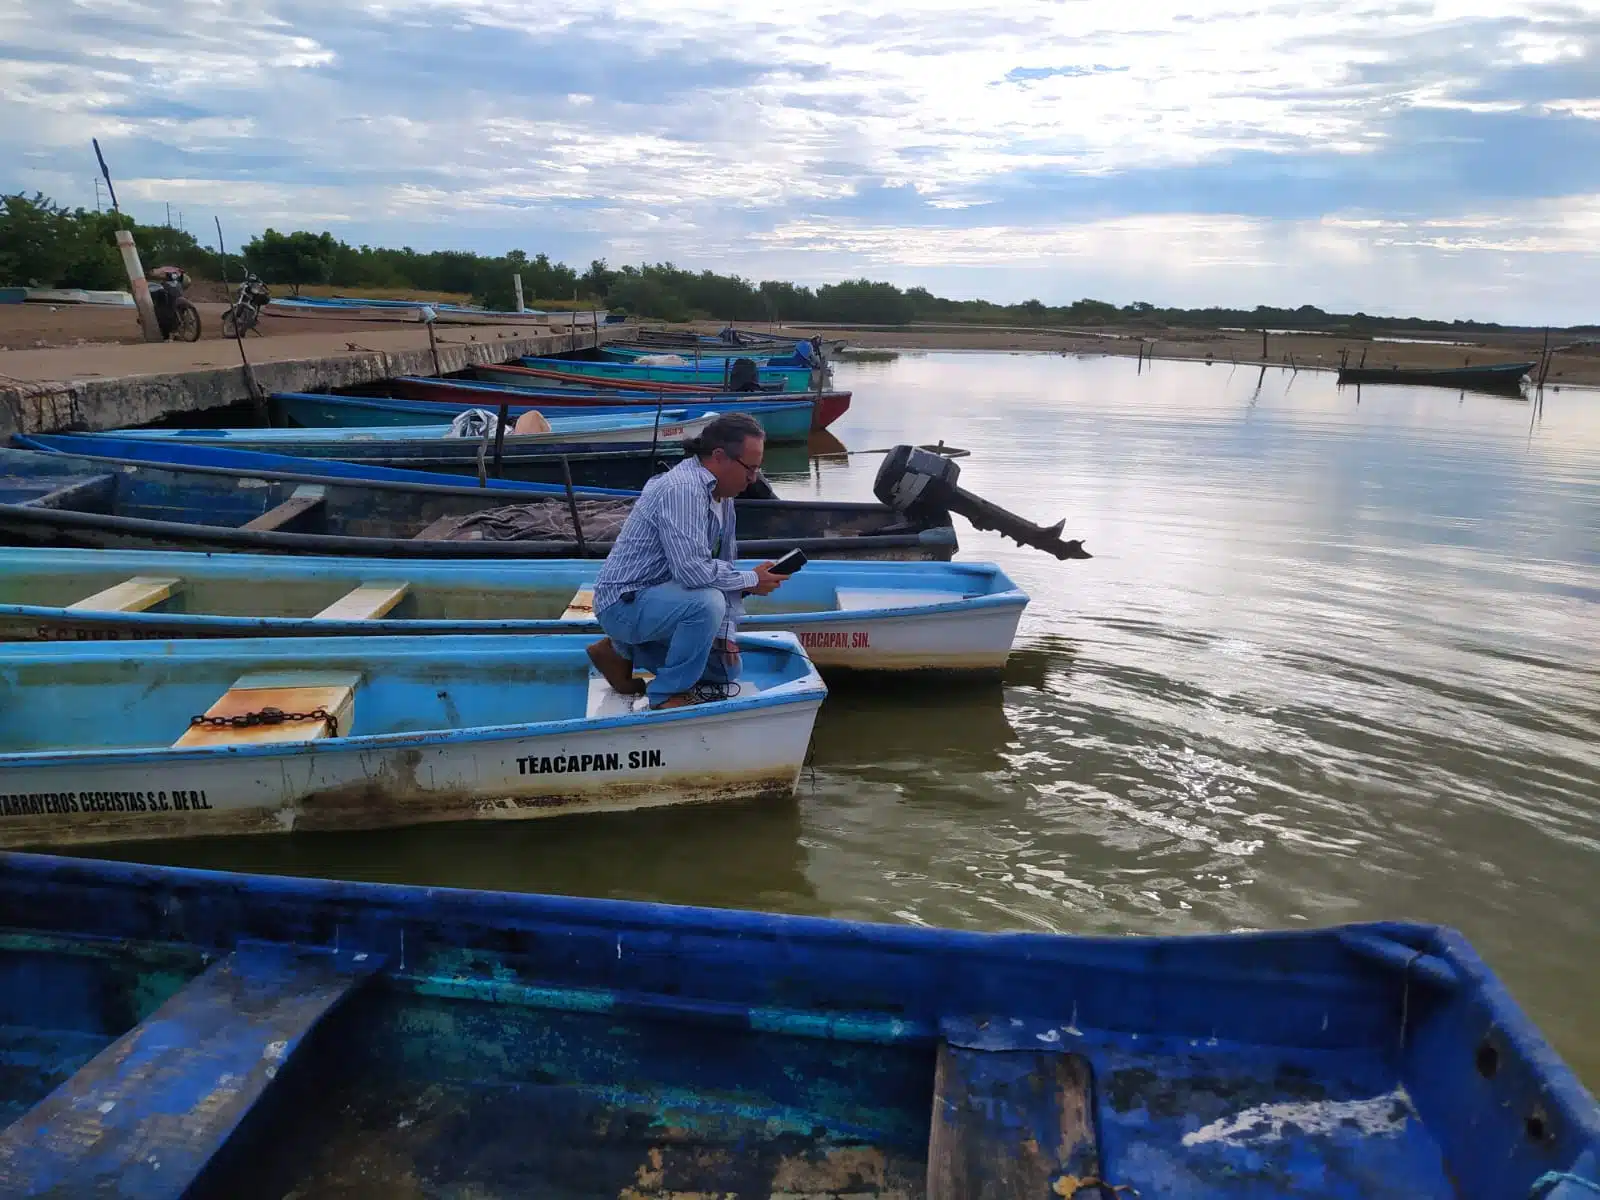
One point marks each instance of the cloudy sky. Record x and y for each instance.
(1437, 159)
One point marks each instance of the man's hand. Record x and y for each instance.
(766, 581)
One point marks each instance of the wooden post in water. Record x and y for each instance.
(139, 286)
(1263, 345)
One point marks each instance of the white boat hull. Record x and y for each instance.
(967, 639)
(368, 783)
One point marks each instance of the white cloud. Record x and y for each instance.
(704, 132)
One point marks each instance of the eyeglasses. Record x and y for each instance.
(748, 469)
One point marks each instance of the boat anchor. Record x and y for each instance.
(912, 478)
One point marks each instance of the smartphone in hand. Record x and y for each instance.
(789, 563)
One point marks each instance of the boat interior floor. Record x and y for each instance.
(273, 1074)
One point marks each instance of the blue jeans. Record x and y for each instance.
(670, 630)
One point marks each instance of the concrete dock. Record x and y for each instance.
(110, 385)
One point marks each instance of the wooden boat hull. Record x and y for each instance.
(827, 406)
(1503, 378)
(895, 617)
(503, 1044)
(784, 422)
(464, 731)
(73, 500)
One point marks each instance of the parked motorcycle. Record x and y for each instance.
(244, 314)
(177, 319)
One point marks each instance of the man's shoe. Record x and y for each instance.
(680, 700)
(704, 692)
(616, 670)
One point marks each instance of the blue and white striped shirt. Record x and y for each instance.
(677, 531)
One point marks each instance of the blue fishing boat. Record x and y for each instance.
(792, 354)
(791, 379)
(270, 735)
(785, 421)
(551, 387)
(637, 435)
(170, 454)
(175, 1032)
(55, 499)
(858, 616)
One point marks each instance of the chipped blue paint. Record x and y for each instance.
(497, 991)
(532, 1040)
(841, 1027)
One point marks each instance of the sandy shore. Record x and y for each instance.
(1572, 364)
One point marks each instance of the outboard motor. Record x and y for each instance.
(912, 479)
(744, 376)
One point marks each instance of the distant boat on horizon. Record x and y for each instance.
(1504, 378)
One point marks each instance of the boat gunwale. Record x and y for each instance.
(26, 442)
(515, 400)
(271, 539)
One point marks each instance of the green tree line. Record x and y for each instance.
(43, 244)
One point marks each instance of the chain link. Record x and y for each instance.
(269, 716)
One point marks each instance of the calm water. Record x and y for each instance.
(1333, 661)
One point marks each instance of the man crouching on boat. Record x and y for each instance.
(669, 595)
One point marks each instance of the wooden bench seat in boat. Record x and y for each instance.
(146, 1115)
(131, 595)
(581, 607)
(434, 529)
(303, 501)
(92, 493)
(366, 603)
(1011, 1123)
(286, 691)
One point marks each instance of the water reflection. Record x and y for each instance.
(751, 855)
(1331, 662)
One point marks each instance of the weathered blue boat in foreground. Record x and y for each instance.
(199, 1034)
(133, 740)
(848, 615)
(71, 500)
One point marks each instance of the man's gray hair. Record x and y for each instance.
(727, 432)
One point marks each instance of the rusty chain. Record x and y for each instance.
(269, 716)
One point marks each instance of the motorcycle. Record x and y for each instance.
(177, 319)
(244, 314)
